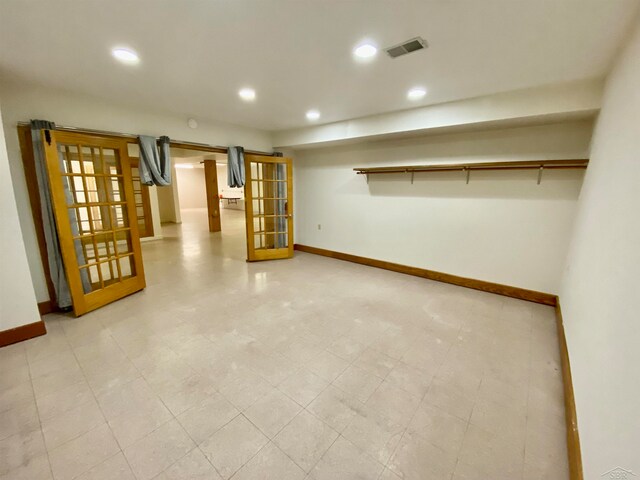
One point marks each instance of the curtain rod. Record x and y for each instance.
(174, 143)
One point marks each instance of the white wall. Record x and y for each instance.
(23, 102)
(192, 189)
(501, 227)
(18, 305)
(600, 293)
(168, 202)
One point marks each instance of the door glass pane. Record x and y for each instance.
(270, 208)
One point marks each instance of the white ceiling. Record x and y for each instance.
(196, 54)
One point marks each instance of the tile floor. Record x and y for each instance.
(308, 368)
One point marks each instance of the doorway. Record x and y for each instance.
(199, 202)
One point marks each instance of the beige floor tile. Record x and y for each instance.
(207, 417)
(127, 399)
(438, 427)
(18, 451)
(244, 389)
(345, 461)
(305, 439)
(83, 453)
(303, 386)
(417, 459)
(537, 469)
(193, 466)
(451, 400)
(393, 403)
(327, 366)
(272, 412)
(358, 383)
(162, 376)
(56, 381)
(233, 445)
(270, 463)
(105, 378)
(300, 350)
(16, 396)
(65, 360)
(36, 468)
(21, 419)
(409, 379)
(492, 454)
(335, 408)
(375, 362)
(62, 428)
(374, 434)
(497, 417)
(346, 348)
(157, 451)
(187, 393)
(113, 468)
(63, 400)
(130, 427)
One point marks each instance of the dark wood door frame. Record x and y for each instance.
(213, 197)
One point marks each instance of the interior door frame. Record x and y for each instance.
(254, 255)
(86, 302)
(213, 196)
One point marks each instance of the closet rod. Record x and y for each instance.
(448, 167)
(174, 143)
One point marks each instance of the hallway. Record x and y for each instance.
(304, 368)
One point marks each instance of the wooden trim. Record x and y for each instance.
(131, 138)
(46, 307)
(573, 438)
(28, 163)
(21, 333)
(506, 290)
(213, 198)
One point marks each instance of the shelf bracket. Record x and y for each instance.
(412, 173)
(367, 175)
(540, 174)
(468, 170)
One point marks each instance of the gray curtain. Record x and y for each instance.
(235, 167)
(155, 161)
(54, 257)
(281, 192)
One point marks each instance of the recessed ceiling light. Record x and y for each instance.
(365, 50)
(313, 115)
(247, 94)
(416, 93)
(125, 55)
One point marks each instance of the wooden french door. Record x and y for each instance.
(141, 200)
(94, 204)
(268, 194)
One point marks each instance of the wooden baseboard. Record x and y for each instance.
(23, 332)
(573, 439)
(515, 292)
(46, 307)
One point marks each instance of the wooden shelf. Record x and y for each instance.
(449, 167)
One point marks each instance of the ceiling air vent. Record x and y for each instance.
(409, 46)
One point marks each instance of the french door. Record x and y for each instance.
(95, 209)
(141, 200)
(268, 194)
